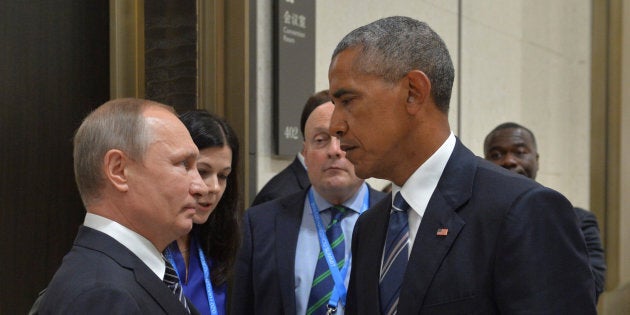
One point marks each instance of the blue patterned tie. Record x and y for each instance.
(395, 256)
(323, 283)
(172, 281)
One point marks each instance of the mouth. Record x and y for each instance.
(334, 168)
(204, 206)
(190, 210)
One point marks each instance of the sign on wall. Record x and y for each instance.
(294, 70)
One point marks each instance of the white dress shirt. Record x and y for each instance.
(418, 189)
(135, 242)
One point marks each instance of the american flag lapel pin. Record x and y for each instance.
(442, 232)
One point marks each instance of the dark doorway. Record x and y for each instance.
(54, 69)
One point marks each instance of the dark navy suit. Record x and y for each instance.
(101, 276)
(265, 266)
(289, 181)
(588, 224)
(512, 247)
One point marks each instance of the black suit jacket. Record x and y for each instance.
(590, 230)
(264, 271)
(289, 181)
(101, 276)
(512, 247)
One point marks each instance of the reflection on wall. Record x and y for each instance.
(171, 52)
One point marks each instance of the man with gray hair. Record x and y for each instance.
(461, 234)
(135, 168)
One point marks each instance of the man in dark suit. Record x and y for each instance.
(278, 266)
(135, 168)
(462, 235)
(293, 178)
(290, 180)
(513, 147)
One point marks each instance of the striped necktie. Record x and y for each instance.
(172, 282)
(323, 283)
(395, 256)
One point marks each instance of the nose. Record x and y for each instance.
(338, 126)
(213, 183)
(334, 148)
(508, 161)
(197, 185)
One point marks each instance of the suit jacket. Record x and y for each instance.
(101, 276)
(289, 181)
(265, 265)
(588, 225)
(512, 247)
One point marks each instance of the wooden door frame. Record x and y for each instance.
(224, 80)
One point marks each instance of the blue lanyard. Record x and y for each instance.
(339, 290)
(206, 278)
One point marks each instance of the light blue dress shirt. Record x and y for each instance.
(308, 247)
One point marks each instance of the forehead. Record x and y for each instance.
(342, 69)
(511, 137)
(166, 129)
(347, 77)
(224, 152)
(320, 117)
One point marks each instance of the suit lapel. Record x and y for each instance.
(366, 264)
(159, 291)
(375, 196)
(430, 247)
(300, 173)
(148, 280)
(287, 227)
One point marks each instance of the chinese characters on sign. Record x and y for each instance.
(294, 69)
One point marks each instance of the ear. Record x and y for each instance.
(419, 90)
(115, 166)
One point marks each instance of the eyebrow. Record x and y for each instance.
(208, 165)
(340, 92)
(499, 148)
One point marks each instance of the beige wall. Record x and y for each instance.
(528, 62)
(523, 61)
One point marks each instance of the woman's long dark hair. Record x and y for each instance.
(220, 236)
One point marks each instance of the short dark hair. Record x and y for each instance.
(392, 47)
(319, 98)
(220, 235)
(509, 125)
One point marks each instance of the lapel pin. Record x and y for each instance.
(442, 232)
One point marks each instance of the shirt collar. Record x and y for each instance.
(135, 242)
(355, 203)
(300, 157)
(417, 190)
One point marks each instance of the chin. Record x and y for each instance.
(361, 173)
(185, 228)
(201, 217)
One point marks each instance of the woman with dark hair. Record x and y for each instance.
(203, 259)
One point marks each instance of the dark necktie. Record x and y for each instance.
(395, 256)
(172, 281)
(323, 283)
